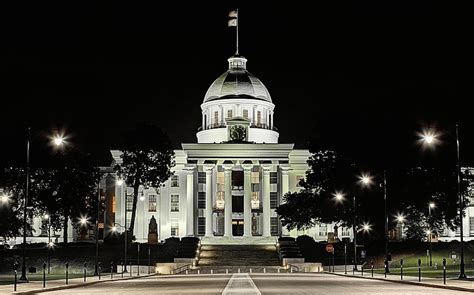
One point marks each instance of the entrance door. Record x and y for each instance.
(237, 227)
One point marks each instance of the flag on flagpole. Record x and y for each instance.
(233, 13)
(232, 22)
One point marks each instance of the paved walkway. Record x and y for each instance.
(59, 284)
(454, 284)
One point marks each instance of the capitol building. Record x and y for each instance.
(231, 181)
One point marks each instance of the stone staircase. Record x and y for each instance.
(238, 255)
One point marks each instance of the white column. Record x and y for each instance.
(285, 188)
(208, 168)
(247, 199)
(266, 200)
(190, 201)
(228, 201)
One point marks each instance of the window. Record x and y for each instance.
(273, 177)
(174, 203)
(151, 203)
(216, 118)
(299, 178)
(273, 200)
(201, 226)
(323, 230)
(174, 229)
(255, 201)
(201, 177)
(246, 114)
(274, 226)
(229, 114)
(174, 181)
(201, 200)
(259, 118)
(114, 204)
(345, 231)
(471, 226)
(255, 177)
(129, 202)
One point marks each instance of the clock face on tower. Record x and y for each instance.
(237, 133)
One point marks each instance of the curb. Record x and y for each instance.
(454, 288)
(57, 288)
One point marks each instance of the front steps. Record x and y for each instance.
(234, 256)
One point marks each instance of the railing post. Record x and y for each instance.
(130, 267)
(444, 271)
(372, 268)
(419, 270)
(385, 265)
(99, 269)
(401, 269)
(44, 274)
(15, 269)
(112, 270)
(85, 271)
(138, 259)
(121, 264)
(67, 272)
(362, 270)
(149, 261)
(212, 271)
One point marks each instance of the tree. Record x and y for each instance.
(147, 159)
(68, 190)
(316, 203)
(12, 180)
(417, 187)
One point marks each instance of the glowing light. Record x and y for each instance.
(5, 199)
(428, 137)
(84, 220)
(51, 244)
(58, 140)
(365, 179)
(46, 216)
(339, 196)
(366, 227)
(119, 182)
(428, 232)
(432, 205)
(400, 218)
(114, 228)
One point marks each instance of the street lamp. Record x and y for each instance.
(339, 196)
(58, 141)
(431, 206)
(401, 220)
(120, 182)
(5, 199)
(47, 217)
(366, 180)
(114, 230)
(430, 138)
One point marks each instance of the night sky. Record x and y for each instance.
(360, 77)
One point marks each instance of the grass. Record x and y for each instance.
(7, 279)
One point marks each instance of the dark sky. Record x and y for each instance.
(360, 77)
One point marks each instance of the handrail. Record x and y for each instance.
(181, 269)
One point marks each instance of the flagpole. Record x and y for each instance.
(237, 34)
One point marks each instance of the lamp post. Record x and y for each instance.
(47, 217)
(120, 182)
(430, 231)
(114, 229)
(354, 230)
(96, 266)
(430, 138)
(57, 140)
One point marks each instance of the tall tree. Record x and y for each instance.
(329, 174)
(68, 190)
(147, 159)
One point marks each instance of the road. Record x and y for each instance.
(253, 284)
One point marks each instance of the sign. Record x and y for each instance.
(363, 253)
(329, 248)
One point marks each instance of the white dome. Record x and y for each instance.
(237, 82)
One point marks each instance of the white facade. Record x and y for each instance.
(230, 182)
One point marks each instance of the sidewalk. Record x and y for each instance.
(34, 287)
(451, 284)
